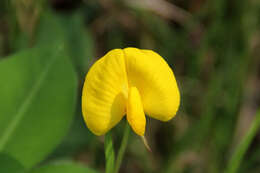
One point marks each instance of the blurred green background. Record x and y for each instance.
(47, 46)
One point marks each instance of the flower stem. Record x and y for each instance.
(122, 148)
(243, 146)
(109, 154)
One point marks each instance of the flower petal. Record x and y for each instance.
(135, 112)
(104, 93)
(154, 79)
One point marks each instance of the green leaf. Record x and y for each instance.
(63, 167)
(9, 164)
(78, 137)
(38, 94)
(45, 34)
(70, 31)
(80, 41)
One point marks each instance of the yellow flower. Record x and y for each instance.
(131, 82)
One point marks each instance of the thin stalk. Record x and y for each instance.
(239, 153)
(122, 148)
(109, 154)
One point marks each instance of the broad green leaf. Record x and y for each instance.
(79, 137)
(80, 41)
(38, 93)
(44, 34)
(70, 31)
(9, 164)
(63, 167)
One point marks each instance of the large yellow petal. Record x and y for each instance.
(104, 93)
(154, 79)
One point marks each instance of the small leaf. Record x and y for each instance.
(38, 94)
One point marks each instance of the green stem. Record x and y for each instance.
(243, 146)
(109, 154)
(122, 148)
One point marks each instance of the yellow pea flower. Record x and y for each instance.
(131, 82)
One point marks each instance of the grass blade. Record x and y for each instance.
(243, 146)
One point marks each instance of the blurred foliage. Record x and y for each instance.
(9, 164)
(63, 166)
(212, 46)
